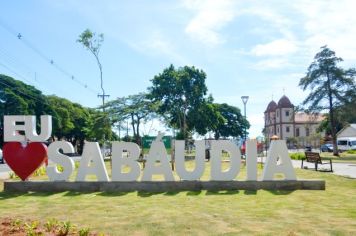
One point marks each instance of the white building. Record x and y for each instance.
(348, 131)
(297, 127)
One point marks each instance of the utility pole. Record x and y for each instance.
(103, 96)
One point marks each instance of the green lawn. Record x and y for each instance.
(330, 212)
(344, 157)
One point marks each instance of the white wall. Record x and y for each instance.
(347, 132)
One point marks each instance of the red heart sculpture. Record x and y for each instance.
(24, 160)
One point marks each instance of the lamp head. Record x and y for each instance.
(244, 99)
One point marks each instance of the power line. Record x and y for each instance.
(8, 68)
(16, 62)
(46, 58)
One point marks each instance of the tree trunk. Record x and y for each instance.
(331, 116)
(138, 140)
(133, 124)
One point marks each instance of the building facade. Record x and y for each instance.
(297, 128)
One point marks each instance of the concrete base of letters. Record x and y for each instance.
(162, 186)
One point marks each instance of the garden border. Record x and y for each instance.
(161, 186)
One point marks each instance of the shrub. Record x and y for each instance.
(297, 156)
(351, 151)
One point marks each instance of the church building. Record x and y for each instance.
(296, 128)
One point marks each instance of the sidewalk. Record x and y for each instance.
(342, 169)
(4, 171)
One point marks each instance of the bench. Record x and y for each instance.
(315, 158)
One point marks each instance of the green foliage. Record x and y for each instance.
(51, 225)
(134, 109)
(351, 151)
(84, 232)
(40, 171)
(31, 228)
(180, 93)
(65, 227)
(297, 156)
(71, 121)
(18, 98)
(329, 85)
(234, 124)
(91, 41)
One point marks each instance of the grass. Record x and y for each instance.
(329, 212)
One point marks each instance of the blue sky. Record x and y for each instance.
(255, 48)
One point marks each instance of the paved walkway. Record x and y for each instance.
(4, 171)
(342, 169)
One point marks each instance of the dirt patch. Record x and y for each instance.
(52, 227)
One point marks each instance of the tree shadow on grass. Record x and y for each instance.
(250, 192)
(147, 194)
(113, 194)
(224, 192)
(171, 193)
(8, 195)
(194, 193)
(281, 192)
(75, 193)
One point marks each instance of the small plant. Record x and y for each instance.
(51, 225)
(40, 171)
(12, 175)
(65, 228)
(16, 224)
(84, 232)
(31, 228)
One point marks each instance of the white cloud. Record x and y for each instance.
(272, 63)
(210, 17)
(330, 23)
(279, 47)
(157, 44)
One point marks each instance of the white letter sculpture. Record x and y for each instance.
(199, 160)
(92, 163)
(118, 161)
(157, 153)
(251, 160)
(279, 150)
(58, 158)
(11, 129)
(235, 159)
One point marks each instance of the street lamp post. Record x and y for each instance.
(244, 100)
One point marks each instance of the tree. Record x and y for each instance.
(328, 84)
(206, 118)
(180, 93)
(93, 42)
(136, 108)
(234, 124)
(71, 121)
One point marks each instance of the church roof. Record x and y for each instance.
(272, 106)
(284, 102)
